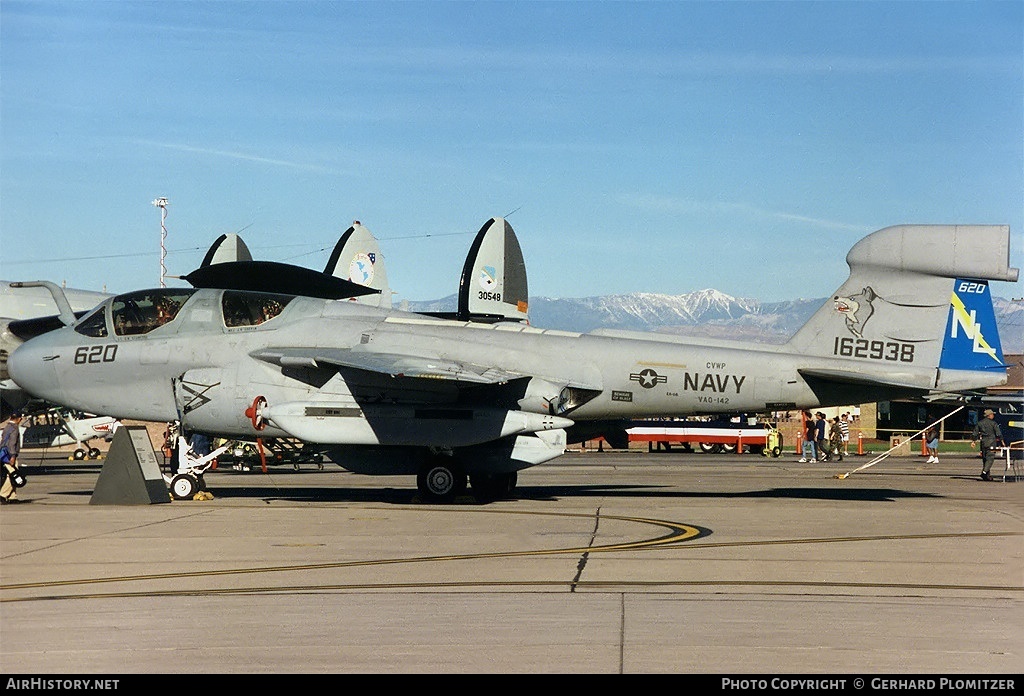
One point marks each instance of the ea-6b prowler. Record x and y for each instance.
(449, 399)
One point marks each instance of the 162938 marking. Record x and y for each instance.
(894, 351)
(95, 354)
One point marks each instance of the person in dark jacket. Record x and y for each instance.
(990, 435)
(10, 445)
(820, 438)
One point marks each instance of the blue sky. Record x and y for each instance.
(634, 146)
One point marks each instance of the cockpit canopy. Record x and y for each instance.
(251, 308)
(140, 312)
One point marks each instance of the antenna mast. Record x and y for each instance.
(162, 204)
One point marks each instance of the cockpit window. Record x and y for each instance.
(251, 308)
(94, 325)
(141, 312)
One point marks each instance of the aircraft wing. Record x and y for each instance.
(393, 364)
(849, 386)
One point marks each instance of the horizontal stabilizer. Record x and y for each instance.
(271, 276)
(858, 378)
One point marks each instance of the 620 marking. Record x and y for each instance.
(95, 354)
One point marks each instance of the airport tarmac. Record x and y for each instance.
(603, 563)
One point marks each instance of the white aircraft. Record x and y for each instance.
(56, 427)
(389, 392)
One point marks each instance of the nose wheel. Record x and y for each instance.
(184, 486)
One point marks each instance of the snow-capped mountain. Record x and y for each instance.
(708, 312)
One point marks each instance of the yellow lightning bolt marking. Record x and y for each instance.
(965, 321)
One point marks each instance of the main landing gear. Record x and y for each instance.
(443, 479)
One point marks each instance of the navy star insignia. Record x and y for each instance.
(647, 378)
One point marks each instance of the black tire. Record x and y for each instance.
(184, 486)
(441, 480)
(728, 449)
(490, 487)
(710, 447)
(79, 454)
(94, 453)
(776, 451)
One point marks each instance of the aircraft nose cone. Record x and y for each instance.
(30, 370)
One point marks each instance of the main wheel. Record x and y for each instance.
(441, 480)
(94, 453)
(489, 487)
(184, 486)
(79, 454)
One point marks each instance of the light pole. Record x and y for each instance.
(162, 204)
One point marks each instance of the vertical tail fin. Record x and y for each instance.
(493, 285)
(917, 297)
(225, 249)
(357, 257)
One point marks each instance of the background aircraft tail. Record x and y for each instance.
(917, 296)
(225, 249)
(357, 257)
(493, 285)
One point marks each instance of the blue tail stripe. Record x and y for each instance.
(971, 341)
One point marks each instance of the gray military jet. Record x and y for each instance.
(384, 391)
(27, 310)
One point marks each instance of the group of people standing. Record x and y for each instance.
(824, 440)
